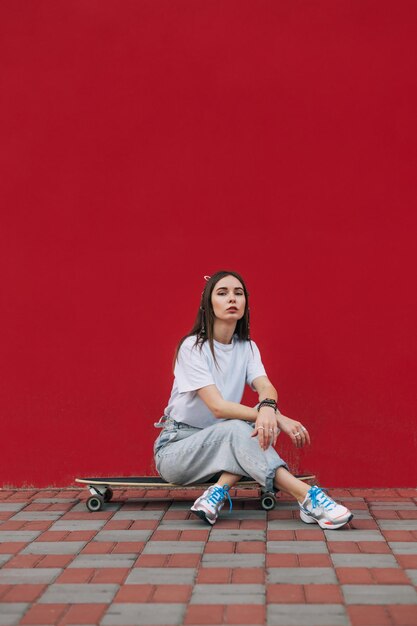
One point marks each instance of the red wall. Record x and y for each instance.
(146, 143)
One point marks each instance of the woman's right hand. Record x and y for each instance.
(266, 427)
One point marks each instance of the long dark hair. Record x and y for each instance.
(204, 322)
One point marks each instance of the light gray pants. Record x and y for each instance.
(186, 455)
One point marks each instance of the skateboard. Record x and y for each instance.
(102, 492)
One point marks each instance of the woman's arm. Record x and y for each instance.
(223, 409)
(265, 420)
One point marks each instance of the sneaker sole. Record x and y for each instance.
(202, 516)
(311, 520)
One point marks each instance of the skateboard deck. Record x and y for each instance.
(101, 488)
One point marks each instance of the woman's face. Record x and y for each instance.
(228, 299)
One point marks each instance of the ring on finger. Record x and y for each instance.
(297, 434)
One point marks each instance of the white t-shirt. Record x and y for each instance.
(237, 363)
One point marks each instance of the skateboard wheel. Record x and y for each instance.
(108, 494)
(268, 501)
(95, 503)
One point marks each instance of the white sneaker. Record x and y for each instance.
(318, 508)
(209, 505)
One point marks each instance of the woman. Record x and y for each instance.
(208, 432)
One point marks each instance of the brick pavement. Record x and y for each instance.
(148, 562)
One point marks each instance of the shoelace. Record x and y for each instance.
(218, 494)
(319, 498)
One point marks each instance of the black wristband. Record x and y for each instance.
(268, 402)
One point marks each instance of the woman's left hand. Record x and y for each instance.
(298, 433)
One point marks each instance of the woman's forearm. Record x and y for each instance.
(234, 410)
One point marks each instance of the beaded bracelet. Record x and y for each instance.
(268, 402)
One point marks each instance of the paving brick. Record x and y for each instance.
(23, 560)
(166, 535)
(309, 535)
(204, 614)
(123, 535)
(54, 547)
(282, 560)
(149, 614)
(70, 576)
(280, 535)
(53, 535)
(293, 524)
(55, 560)
(344, 547)
(84, 614)
(141, 524)
(244, 614)
(404, 615)
(390, 575)
(168, 547)
(374, 547)
(123, 524)
(403, 547)
(285, 593)
(133, 515)
(315, 560)
(355, 575)
(172, 593)
(369, 616)
(76, 525)
(219, 547)
(301, 575)
(253, 575)
(297, 547)
(23, 593)
(19, 536)
(126, 547)
(36, 516)
(237, 535)
(323, 594)
(12, 612)
(233, 560)
(98, 547)
(184, 560)
(217, 575)
(379, 594)
(11, 547)
(188, 524)
(353, 535)
(39, 614)
(79, 594)
(398, 525)
(228, 594)
(135, 593)
(250, 547)
(162, 575)
(364, 560)
(260, 524)
(195, 535)
(11, 506)
(153, 560)
(307, 615)
(110, 575)
(398, 535)
(103, 560)
(21, 576)
(12, 526)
